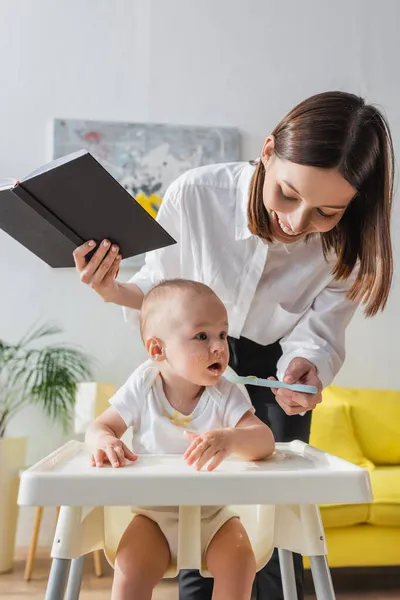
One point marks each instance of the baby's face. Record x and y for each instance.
(196, 346)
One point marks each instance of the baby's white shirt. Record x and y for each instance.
(158, 428)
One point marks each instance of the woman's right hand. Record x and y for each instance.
(101, 271)
(114, 451)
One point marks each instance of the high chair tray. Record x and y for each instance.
(296, 474)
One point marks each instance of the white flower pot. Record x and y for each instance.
(12, 459)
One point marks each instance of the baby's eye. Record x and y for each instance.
(222, 335)
(201, 336)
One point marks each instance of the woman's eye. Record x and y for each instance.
(291, 199)
(201, 336)
(324, 215)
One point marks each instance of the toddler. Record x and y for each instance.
(178, 402)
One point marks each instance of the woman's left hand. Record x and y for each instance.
(300, 370)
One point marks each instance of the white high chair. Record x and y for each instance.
(277, 499)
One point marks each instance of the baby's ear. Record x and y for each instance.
(155, 349)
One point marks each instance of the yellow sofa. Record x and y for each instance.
(362, 426)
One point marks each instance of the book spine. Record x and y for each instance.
(44, 212)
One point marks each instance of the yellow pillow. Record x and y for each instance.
(332, 431)
(376, 421)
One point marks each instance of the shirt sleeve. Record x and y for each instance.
(236, 405)
(127, 401)
(320, 334)
(163, 263)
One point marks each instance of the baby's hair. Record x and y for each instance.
(159, 293)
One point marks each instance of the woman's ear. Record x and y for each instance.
(268, 149)
(155, 349)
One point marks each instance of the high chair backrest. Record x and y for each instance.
(91, 400)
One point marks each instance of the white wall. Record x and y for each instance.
(222, 62)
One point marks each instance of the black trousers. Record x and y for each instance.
(249, 358)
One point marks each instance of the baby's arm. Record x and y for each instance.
(103, 440)
(251, 438)
(242, 433)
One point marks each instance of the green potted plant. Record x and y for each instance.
(46, 375)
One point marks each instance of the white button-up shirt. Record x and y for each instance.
(272, 291)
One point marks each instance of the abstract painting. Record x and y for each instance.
(146, 157)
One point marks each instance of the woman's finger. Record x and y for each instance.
(80, 253)
(105, 266)
(273, 390)
(308, 401)
(91, 267)
(112, 271)
(290, 409)
(294, 398)
(287, 399)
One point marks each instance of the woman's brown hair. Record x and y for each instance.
(337, 130)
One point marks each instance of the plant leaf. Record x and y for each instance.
(38, 333)
(48, 377)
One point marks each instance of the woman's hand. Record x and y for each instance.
(303, 371)
(102, 269)
(214, 446)
(113, 451)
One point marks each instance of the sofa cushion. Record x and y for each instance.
(376, 421)
(363, 546)
(344, 515)
(385, 509)
(332, 431)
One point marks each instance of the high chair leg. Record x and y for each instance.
(322, 578)
(287, 573)
(57, 579)
(97, 562)
(30, 561)
(75, 578)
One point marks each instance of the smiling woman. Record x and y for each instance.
(327, 168)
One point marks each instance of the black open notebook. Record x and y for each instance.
(72, 200)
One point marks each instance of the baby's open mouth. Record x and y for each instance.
(215, 368)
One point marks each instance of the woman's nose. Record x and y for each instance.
(299, 221)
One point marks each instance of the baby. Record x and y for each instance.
(178, 403)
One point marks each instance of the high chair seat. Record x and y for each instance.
(277, 499)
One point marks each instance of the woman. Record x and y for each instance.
(291, 244)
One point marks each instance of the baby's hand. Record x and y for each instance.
(214, 446)
(113, 451)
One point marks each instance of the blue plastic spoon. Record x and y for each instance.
(271, 383)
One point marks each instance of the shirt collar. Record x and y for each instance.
(242, 231)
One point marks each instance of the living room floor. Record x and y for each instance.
(13, 586)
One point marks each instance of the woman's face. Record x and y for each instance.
(302, 200)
